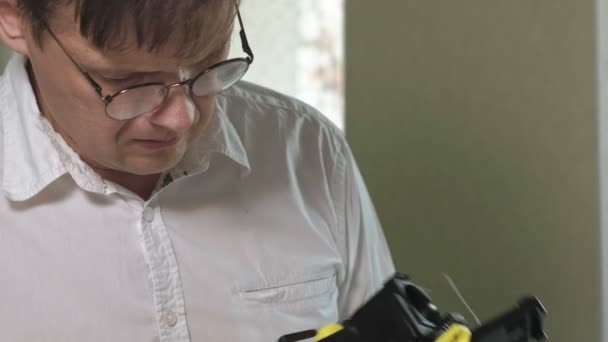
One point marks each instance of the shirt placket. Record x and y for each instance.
(165, 278)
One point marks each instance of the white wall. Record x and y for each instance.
(299, 50)
(273, 31)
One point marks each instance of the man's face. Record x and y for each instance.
(145, 145)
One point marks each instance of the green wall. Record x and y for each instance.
(474, 123)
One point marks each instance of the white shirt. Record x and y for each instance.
(265, 229)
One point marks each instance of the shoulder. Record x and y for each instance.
(258, 111)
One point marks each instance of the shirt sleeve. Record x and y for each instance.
(367, 262)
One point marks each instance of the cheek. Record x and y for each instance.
(69, 101)
(60, 84)
(91, 139)
(204, 110)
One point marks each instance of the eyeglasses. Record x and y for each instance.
(145, 98)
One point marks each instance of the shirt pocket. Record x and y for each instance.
(291, 303)
(295, 291)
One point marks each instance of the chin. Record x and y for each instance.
(151, 166)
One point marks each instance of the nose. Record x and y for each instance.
(178, 112)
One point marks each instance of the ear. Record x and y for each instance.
(12, 28)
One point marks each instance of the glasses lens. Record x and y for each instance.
(219, 78)
(136, 101)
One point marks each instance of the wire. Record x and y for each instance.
(455, 288)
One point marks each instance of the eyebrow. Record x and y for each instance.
(122, 72)
(133, 72)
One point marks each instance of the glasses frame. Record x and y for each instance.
(107, 99)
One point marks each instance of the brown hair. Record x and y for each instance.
(199, 24)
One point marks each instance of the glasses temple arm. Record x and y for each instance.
(244, 41)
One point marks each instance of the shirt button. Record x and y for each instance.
(148, 214)
(170, 319)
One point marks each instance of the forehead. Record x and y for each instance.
(130, 30)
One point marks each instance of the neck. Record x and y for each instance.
(143, 186)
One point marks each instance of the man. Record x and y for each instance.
(148, 196)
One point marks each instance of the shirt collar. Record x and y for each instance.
(34, 155)
(219, 138)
